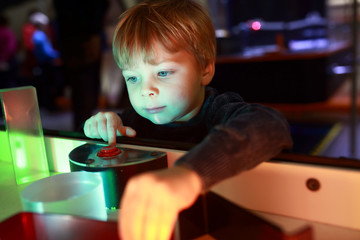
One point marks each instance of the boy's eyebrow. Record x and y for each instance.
(170, 60)
(154, 61)
(171, 57)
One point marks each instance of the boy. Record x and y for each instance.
(166, 50)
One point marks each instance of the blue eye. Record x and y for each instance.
(132, 79)
(164, 73)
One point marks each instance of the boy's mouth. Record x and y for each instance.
(155, 109)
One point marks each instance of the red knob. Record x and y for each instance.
(108, 151)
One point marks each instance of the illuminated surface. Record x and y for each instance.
(5, 154)
(57, 151)
(32, 226)
(77, 193)
(28, 160)
(270, 188)
(25, 134)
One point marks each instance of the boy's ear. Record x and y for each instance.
(208, 73)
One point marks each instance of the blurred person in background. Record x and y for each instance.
(47, 80)
(8, 50)
(29, 61)
(81, 39)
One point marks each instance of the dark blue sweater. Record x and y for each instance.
(232, 135)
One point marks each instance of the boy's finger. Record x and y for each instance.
(102, 130)
(126, 131)
(122, 130)
(87, 128)
(111, 131)
(111, 136)
(93, 129)
(130, 132)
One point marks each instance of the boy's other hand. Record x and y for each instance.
(107, 125)
(151, 202)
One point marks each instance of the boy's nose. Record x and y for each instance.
(149, 89)
(148, 93)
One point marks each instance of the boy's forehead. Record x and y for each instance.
(156, 56)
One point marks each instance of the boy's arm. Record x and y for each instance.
(252, 134)
(244, 136)
(152, 200)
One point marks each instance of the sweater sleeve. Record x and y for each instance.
(247, 135)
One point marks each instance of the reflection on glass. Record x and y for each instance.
(25, 135)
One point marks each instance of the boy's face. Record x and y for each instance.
(169, 89)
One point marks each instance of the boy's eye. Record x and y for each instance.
(132, 79)
(164, 73)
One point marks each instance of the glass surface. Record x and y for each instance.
(32, 226)
(75, 193)
(25, 134)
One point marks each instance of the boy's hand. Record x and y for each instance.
(107, 125)
(151, 202)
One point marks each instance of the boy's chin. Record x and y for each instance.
(158, 120)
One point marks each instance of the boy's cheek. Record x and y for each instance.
(133, 100)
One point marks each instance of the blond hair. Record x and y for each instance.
(174, 24)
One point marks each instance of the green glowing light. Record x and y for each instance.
(29, 157)
(24, 133)
(58, 150)
(5, 154)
